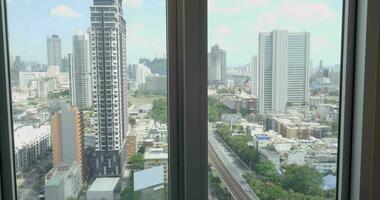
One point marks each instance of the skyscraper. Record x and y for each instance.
(255, 76)
(216, 65)
(65, 64)
(67, 137)
(54, 54)
(109, 81)
(15, 71)
(283, 69)
(80, 71)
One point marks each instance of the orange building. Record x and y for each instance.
(131, 145)
(67, 137)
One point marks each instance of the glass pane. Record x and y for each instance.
(273, 104)
(89, 98)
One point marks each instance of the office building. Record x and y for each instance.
(63, 181)
(109, 85)
(216, 65)
(54, 54)
(283, 69)
(67, 137)
(80, 71)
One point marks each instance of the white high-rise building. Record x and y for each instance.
(255, 75)
(54, 54)
(142, 72)
(283, 69)
(80, 71)
(109, 84)
(216, 65)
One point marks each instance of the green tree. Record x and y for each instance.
(215, 109)
(137, 161)
(267, 169)
(132, 122)
(302, 179)
(159, 110)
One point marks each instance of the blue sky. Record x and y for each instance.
(233, 24)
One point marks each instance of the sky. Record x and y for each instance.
(233, 25)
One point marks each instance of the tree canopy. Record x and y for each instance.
(159, 110)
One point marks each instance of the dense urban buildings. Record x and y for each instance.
(54, 54)
(216, 65)
(15, 69)
(283, 69)
(67, 137)
(80, 71)
(109, 84)
(156, 65)
(30, 143)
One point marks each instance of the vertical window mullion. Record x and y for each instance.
(8, 182)
(187, 50)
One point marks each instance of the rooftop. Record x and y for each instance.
(262, 137)
(56, 174)
(27, 134)
(104, 184)
(155, 153)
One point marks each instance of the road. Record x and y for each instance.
(229, 167)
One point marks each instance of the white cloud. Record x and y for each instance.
(223, 30)
(64, 11)
(225, 7)
(302, 10)
(215, 7)
(134, 3)
(258, 2)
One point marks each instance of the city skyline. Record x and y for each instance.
(146, 33)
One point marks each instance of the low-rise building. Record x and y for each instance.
(261, 140)
(63, 181)
(231, 119)
(104, 188)
(241, 102)
(296, 128)
(30, 143)
(157, 157)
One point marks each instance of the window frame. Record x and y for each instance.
(187, 89)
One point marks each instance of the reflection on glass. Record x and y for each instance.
(273, 112)
(89, 99)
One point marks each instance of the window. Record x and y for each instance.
(57, 88)
(274, 98)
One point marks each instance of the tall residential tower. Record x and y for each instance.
(216, 65)
(283, 70)
(109, 85)
(80, 71)
(54, 54)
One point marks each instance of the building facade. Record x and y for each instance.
(30, 143)
(54, 54)
(216, 65)
(63, 181)
(80, 71)
(109, 84)
(67, 137)
(283, 70)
